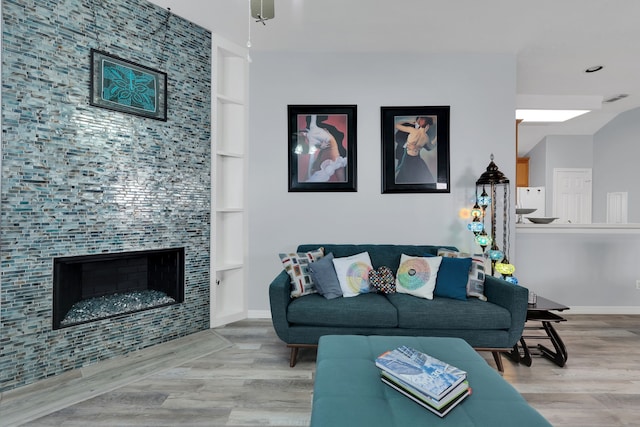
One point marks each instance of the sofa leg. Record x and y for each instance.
(496, 355)
(498, 358)
(294, 356)
(294, 352)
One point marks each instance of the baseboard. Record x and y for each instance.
(624, 309)
(259, 314)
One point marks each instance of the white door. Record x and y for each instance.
(572, 195)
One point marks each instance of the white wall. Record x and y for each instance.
(616, 150)
(538, 165)
(481, 92)
(565, 151)
(557, 151)
(590, 271)
(612, 153)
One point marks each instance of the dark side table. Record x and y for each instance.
(541, 312)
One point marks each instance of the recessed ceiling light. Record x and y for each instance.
(548, 115)
(594, 69)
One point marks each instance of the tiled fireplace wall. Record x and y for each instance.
(77, 179)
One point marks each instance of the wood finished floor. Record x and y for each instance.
(250, 383)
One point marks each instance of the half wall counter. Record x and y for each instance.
(592, 268)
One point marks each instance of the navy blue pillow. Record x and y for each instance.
(324, 276)
(452, 278)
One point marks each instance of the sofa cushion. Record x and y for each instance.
(353, 273)
(417, 275)
(453, 275)
(475, 284)
(447, 313)
(365, 310)
(348, 392)
(382, 280)
(388, 255)
(297, 265)
(324, 277)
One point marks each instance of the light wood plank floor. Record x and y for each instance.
(250, 383)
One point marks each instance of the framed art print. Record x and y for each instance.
(121, 85)
(415, 149)
(322, 147)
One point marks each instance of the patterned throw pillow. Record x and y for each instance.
(383, 280)
(417, 275)
(297, 265)
(475, 284)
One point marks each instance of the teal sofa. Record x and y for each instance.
(494, 325)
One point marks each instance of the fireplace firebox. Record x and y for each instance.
(115, 280)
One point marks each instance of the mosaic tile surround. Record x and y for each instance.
(78, 179)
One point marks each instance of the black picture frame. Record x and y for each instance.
(407, 168)
(121, 85)
(322, 148)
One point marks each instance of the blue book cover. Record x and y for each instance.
(429, 375)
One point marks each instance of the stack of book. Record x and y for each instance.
(432, 383)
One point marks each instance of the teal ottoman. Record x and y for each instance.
(348, 391)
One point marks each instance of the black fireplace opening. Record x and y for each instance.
(87, 288)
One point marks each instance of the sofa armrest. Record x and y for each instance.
(279, 299)
(513, 298)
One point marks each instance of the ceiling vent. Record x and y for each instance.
(616, 98)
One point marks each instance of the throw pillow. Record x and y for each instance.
(324, 277)
(297, 265)
(453, 276)
(353, 273)
(417, 275)
(475, 282)
(382, 280)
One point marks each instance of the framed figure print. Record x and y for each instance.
(322, 148)
(415, 149)
(121, 85)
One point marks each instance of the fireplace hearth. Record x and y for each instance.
(93, 287)
(97, 308)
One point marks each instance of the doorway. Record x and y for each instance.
(572, 188)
